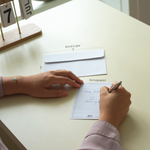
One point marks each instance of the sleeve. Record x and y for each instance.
(1, 88)
(102, 136)
(2, 145)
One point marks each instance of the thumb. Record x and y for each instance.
(56, 93)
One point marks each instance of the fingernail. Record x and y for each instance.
(81, 81)
(78, 85)
(64, 93)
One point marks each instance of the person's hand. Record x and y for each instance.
(39, 85)
(115, 105)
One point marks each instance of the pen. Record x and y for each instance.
(115, 87)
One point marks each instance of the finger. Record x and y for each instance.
(130, 102)
(68, 74)
(114, 83)
(119, 87)
(127, 111)
(64, 80)
(129, 94)
(127, 106)
(55, 93)
(104, 90)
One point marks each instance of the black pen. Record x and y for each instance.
(115, 86)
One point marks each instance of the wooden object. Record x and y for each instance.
(16, 18)
(13, 37)
(4, 1)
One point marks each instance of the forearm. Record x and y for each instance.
(2, 145)
(110, 119)
(102, 136)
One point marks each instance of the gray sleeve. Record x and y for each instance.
(102, 136)
(1, 87)
(2, 145)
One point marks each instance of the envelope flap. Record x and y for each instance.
(74, 56)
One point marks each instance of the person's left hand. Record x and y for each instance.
(39, 85)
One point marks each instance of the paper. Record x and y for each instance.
(83, 63)
(86, 102)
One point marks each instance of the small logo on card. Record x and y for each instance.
(89, 116)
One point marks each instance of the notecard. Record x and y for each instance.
(7, 15)
(86, 102)
(26, 8)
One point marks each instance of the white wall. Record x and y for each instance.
(125, 6)
(139, 9)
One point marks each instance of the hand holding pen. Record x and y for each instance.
(114, 105)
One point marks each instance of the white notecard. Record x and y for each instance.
(7, 15)
(26, 8)
(86, 102)
(83, 63)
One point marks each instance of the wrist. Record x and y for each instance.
(10, 86)
(110, 119)
(21, 85)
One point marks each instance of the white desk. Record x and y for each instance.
(45, 124)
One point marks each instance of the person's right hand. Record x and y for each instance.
(115, 105)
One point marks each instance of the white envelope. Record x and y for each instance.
(84, 63)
